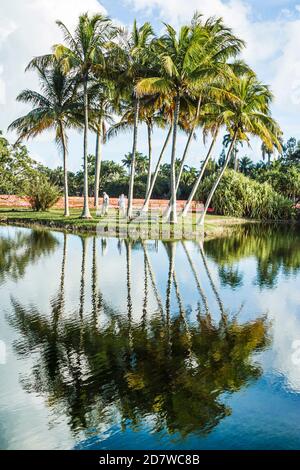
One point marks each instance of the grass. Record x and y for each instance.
(150, 226)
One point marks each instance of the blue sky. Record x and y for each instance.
(271, 29)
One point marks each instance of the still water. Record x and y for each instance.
(109, 344)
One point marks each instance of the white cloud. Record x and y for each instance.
(272, 45)
(27, 29)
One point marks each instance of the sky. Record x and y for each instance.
(271, 29)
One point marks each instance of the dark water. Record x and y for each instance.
(113, 344)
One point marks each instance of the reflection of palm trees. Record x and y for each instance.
(128, 275)
(200, 290)
(96, 294)
(175, 374)
(212, 283)
(82, 278)
(276, 249)
(180, 388)
(23, 248)
(145, 301)
(171, 250)
(153, 281)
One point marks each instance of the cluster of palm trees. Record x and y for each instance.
(190, 80)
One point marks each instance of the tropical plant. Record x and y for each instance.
(84, 57)
(54, 107)
(141, 162)
(239, 196)
(41, 194)
(16, 167)
(246, 165)
(246, 112)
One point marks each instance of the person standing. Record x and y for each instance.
(122, 205)
(105, 205)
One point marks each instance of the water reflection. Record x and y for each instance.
(276, 249)
(100, 365)
(18, 250)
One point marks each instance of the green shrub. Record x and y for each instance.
(41, 194)
(239, 196)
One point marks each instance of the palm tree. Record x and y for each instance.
(235, 150)
(84, 54)
(54, 107)
(218, 44)
(246, 165)
(131, 60)
(266, 152)
(141, 162)
(156, 171)
(247, 114)
(101, 110)
(176, 56)
(201, 173)
(186, 59)
(212, 118)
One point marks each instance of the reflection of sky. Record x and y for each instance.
(273, 400)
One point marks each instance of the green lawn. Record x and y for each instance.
(113, 225)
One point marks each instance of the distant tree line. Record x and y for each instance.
(282, 174)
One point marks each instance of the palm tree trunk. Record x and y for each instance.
(173, 213)
(65, 158)
(236, 160)
(185, 153)
(199, 179)
(216, 184)
(149, 129)
(86, 211)
(153, 180)
(134, 145)
(97, 169)
(201, 291)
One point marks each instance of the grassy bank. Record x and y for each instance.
(110, 225)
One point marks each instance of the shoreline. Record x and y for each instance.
(215, 226)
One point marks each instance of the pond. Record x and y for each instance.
(117, 344)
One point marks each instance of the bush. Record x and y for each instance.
(41, 194)
(239, 196)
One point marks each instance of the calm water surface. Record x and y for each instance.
(109, 344)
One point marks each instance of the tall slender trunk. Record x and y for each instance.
(173, 213)
(216, 184)
(149, 129)
(185, 154)
(97, 168)
(86, 211)
(236, 160)
(153, 180)
(200, 176)
(65, 163)
(133, 156)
